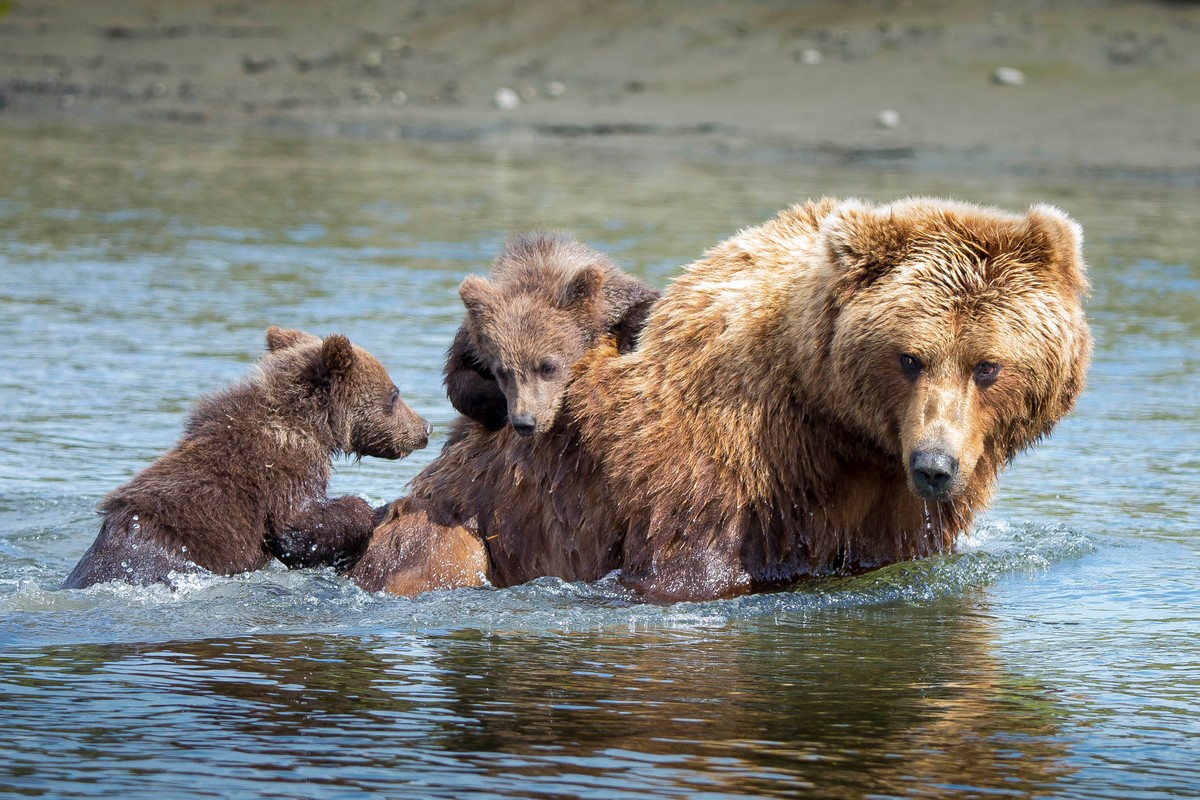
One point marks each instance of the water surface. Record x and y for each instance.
(1056, 655)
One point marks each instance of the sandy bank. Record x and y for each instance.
(1109, 87)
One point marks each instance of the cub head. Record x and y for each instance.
(958, 334)
(531, 337)
(357, 399)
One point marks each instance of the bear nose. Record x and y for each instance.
(421, 433)
(933, 473)
(523, 424)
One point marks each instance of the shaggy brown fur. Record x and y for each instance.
(550, 299)
(834, 390)
(421, 549)
(253, 464)
(532, 506)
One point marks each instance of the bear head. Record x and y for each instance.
(345, 390)
(958, 337)
(531, 338)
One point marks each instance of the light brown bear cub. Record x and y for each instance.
(550, 299)
(252, 469)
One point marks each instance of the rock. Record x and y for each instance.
(809, 56)
(506, 99)
(888, 118)
(254, 64)
(366, 94)
(372, 61)
(555, 89)
(528, 94)
(324, 58)
(1127, 48)
(891, 35)
(1008, 76)
(399, 98)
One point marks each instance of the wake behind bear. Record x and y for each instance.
(834, 390)
(251, 471)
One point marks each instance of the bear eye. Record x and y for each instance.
(548, 369)
(986, 372)
(911, 365)
(393, 395)
(501, 373)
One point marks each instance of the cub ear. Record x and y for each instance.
(337, 357)
(477, 294)
(1058, 239)
(863, 244)
(282, 338)
(584, 287)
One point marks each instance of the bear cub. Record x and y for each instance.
(550, 299)
(252, 469)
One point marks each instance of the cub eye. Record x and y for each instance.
(986, 373)
(911, 365)
(548, 369)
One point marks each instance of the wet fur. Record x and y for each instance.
(549, 300)
(761, 431)
(252, 467)
(532, 506)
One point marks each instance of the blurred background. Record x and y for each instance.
(1108, 85)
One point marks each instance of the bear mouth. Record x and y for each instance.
(396, 449)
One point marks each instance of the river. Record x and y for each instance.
(1056, 654)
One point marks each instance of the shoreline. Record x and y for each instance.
(1098, 89)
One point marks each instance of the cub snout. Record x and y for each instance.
(523, 424)
(419, 431)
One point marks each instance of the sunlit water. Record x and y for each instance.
(1056, 655)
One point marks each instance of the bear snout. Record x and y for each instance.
(933, 473)
(420, 432)
(524, 424)
(402, 434)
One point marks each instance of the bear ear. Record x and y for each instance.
(337, 358)
(584, 287)
(477, 295)
(281, 338)
(863, 244)
(1058, 240)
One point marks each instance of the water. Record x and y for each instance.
(1056, 655)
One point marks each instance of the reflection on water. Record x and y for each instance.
(1054, 656)
(847, 704)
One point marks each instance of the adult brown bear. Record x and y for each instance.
(834, 390)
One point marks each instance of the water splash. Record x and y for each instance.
(202, 605)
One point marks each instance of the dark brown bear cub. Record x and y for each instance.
(550, 299)
(253, 466)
